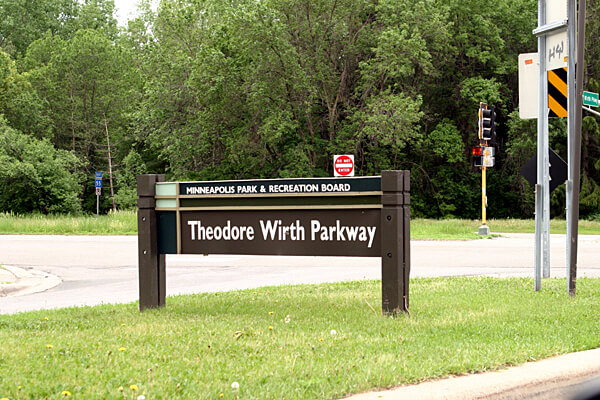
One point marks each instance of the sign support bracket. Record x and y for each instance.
(592, 111)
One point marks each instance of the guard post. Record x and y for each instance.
(357, 217)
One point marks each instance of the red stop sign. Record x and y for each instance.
(343, 165)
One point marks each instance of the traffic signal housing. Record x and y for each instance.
(487, 123)
(483, 156)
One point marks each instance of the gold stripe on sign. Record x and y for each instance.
(555, 106)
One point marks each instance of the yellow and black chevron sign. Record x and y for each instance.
(557, 92)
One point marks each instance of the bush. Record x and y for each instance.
(34, 176)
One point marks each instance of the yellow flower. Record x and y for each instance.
(49, 346)
(4, 398)
(19, 387)
(270, 312)
(120, 388)
(221, 395)
(65, 393)
(270, 328)
(123, 324)
(46, 318)
(122, 348)
(321, 339)
(133, 387)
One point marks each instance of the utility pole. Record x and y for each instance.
(575, 88)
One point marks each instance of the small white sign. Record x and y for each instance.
(343, 165)
(556, 10)
(556, 51)
(528, 85)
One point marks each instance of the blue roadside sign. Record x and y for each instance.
(98, 174)
(98, 183)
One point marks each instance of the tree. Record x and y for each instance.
(89, 85)
(24, 21)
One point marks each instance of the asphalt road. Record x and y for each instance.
(103, 269)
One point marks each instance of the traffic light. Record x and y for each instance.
(477, 156)
(487, 122)
(483, 156)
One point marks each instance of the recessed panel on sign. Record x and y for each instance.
(295, 232)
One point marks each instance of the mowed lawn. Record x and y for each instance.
(292, 342)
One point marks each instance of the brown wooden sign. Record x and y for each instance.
(362, 217)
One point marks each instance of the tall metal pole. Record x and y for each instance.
(546, 164)
(575, 100)
(542, 121)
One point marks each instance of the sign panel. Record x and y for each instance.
(556, 10)
(343, 165)
(556, 50)
(528, 85)
(98, 183)
(98, 174)
(558, 170)
(98, 191)
(557, 93)
(590, 99)
(293, 232)
(281, 186)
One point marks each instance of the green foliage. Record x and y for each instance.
(34, 176)
(22, 21)
(274, 88)
(126, 195)
(445, 141)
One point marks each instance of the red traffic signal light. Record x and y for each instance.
(477, 151)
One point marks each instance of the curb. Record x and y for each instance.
(27, 281)
(551, 375)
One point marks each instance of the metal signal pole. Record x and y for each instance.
(483, 196)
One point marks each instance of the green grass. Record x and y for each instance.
(463, 229)
(119, 223)
(198, 345)
(125, 223)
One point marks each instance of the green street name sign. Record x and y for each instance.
(590, 99)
